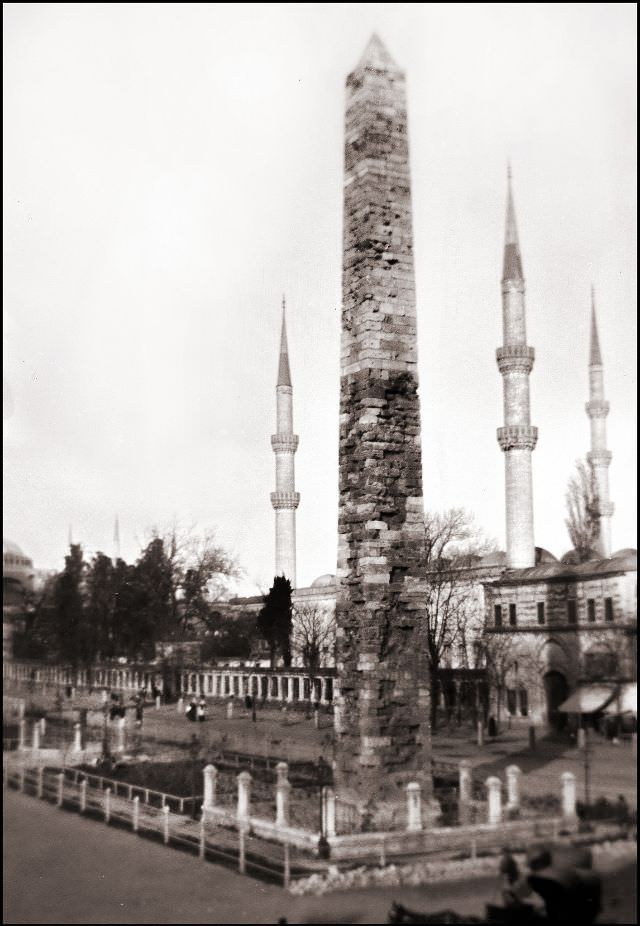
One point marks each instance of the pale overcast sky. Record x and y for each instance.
(170, 170)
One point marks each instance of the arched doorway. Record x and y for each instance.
(556, 691)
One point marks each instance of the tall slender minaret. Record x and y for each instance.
(116, 541)
(285, 499)
(599, 458)
(518, 437)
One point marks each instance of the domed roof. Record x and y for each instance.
(623, 554)
(324, 581)
(543, 556)
(572, 557)
(8, 546)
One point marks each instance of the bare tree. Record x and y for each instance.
(314, 634)
(453, 546)
(502, 653)
(198, 571)
(583, 511)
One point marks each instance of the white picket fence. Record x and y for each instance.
(148, 812)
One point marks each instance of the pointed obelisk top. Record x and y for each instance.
(595, 357)
(376, 57)
(512, 267)
(284, 373)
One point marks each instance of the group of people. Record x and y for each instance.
(196, 711)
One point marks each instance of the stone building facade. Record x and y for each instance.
(557, 626)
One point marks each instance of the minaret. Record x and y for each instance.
(116, 541)
(599, 458)
(285, 499)
(517, 438)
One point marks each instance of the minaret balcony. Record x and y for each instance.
(599, 457)
(514, 358)
(284, 443)
(518, 437)
(597, 408)
(287, 500)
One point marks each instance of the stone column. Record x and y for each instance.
(283, 789)
(244, 797)
(383, 741)
(22, 725)
(414, 812)
(513, 774)
(77, 737)
(290, 689)
(210, 774)
(494, 800)
(464, 792)
(35, 737)
(568, 780)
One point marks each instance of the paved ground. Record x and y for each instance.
(61, 868)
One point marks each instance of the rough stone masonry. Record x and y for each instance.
(382, 704)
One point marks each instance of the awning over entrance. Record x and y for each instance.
(626, 701)
(587, 699)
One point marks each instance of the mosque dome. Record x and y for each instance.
(17, 568)
(11, 548)
(543, 556)
(324, 581)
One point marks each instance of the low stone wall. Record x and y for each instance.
(438, 870)
(443, 839)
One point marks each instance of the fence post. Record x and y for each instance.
(60, 789)
(157, 702)
(210, 774)
(135, 816)
(43, 726)
(244, 797)
(414, 811)
(40, 785)
(241, 851)
(201, 846)
(283, 789)
(120, 723)
(329, 811)
(107, 804)
(287, 866)
(83, 795)
(513, 787)
(568, 780)
(464, 792)
(77, 737)
(35, 738)
(495, 800)
(21, 733)
(165, 822)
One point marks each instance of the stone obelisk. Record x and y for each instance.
(382, 703)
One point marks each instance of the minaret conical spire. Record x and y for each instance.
(285, 499)
(599, 457)
(284, 372)
(595, 357)
(512, 266)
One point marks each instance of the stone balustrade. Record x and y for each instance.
(287, 686)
